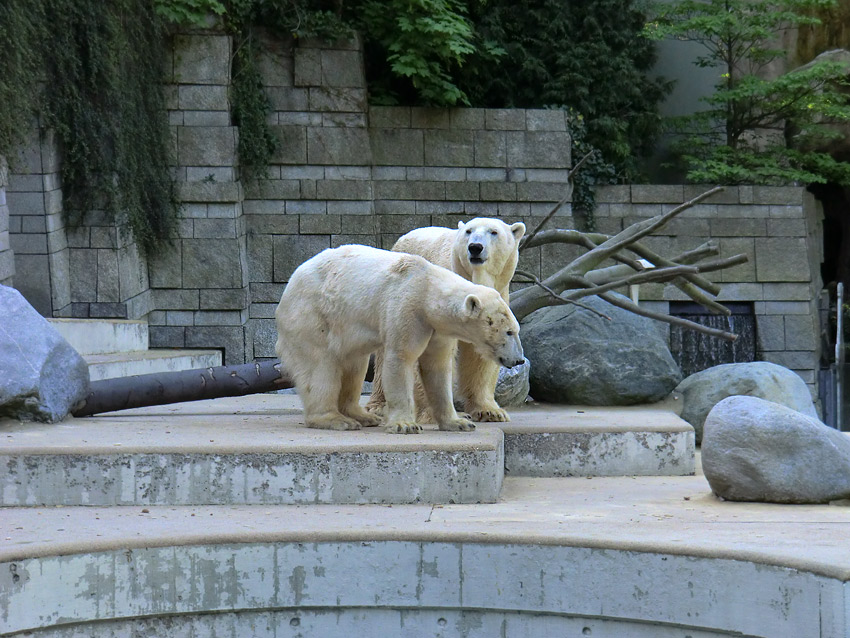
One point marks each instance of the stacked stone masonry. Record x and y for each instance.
(346, 172)
(7, 257)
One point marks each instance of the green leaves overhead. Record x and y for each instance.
(757, 126)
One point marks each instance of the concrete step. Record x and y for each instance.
(125, 364)
(256, 450)
(100, 336)
(549, 440)
(246, 450)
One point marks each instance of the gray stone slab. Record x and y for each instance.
(243, 459)
(202, 59)
(781, 259)
(334, 146)
(397, 146)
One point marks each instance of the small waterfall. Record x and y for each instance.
(695, 351)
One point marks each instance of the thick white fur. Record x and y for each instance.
(345, 303)
(449, 248)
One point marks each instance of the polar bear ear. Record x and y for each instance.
(518, 230)
(460, 225)
(472, 306)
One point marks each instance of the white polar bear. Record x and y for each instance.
(484, 251)
(347, 302)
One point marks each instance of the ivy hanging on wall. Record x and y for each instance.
(94, 71)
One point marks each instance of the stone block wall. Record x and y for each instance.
(37, 225)
(7, 257)
(778, 228)
(200, 283)
(348, 173)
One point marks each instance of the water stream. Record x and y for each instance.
(695, 351)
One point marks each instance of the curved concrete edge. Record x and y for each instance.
(669, 593)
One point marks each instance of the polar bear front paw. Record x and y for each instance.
(333, 422)
(457, 425)
(403, 427)
(488, 414)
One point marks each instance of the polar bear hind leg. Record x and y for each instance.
(319, 387)
(353, 375)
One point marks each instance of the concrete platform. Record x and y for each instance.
(547, 440)
(255, 450)
(243, 450)
(642, 557)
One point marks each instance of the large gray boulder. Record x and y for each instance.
(579, 357)
(702, 391)
(513, 385)
(757, 450)
(41, 376)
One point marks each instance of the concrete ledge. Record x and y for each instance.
(607, 557)
(574, 441)
(126, 364)
(155, 458)
(100, 336)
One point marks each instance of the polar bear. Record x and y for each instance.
(347, 302)
(484, 251)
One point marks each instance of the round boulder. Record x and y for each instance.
(41, 376)
(579, 357)
(702, 391)
(757, 450)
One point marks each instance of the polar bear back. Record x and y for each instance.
(434, 243)
(352, 294)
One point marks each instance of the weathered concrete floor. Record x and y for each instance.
(676, 515)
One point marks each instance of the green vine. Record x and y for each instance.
(594, 172)
(22, 30)
(101, 67)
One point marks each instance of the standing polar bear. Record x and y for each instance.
(484, 251)
(347, 302)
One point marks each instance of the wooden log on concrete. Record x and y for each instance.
(162, 388)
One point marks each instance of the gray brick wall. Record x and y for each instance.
(778, 228)
(348, 173)
(7, 256)
(37, 226)
(199, 285)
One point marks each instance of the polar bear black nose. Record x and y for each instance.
(475, 249)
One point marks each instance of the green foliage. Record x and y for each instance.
(744, 133)
(22, 32)
(595, 171)
(93, 72)
(423, 41)
(588, 56)
(105, 101)
(188, 12)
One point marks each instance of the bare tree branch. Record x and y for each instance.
(557, 206)
(620, 302)
(555, 297)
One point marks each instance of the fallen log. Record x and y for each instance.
(162, 388)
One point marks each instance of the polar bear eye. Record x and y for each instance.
(510, 333)
(468, 231)
(494, 232)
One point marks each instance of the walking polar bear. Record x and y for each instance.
(347, 302)
(484, 251)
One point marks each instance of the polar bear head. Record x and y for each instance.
(487, 243)
(492, 328)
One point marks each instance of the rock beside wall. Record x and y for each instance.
(41, 376)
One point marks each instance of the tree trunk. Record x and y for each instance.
(162, 388)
